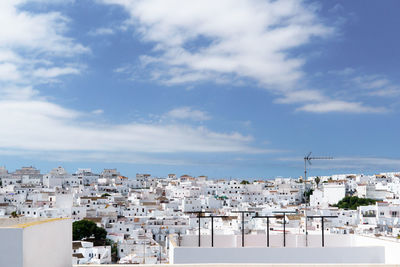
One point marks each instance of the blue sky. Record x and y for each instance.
(220, 88)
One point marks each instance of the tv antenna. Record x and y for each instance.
(307, 159)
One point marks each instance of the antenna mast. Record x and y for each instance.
(307, 159)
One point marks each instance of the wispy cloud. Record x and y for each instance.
(226, 41)
(101, 31)
(184, 113)
(46, 126)
(348, 163)
(377, 85)
(341, 106)
(29, 47)
(55, 72)
(240, 38)
(30, 53)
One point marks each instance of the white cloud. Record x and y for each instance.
(39, 125)
(355, 163)
(228, 40)
(240, 38)
(301, 96)
(28, 47)
(340, 106)
(55, 72)
(101, 31)
(376, 85)
(344, 72)
(183, 113)
(9, 72)
(98, 111)
(38, 32)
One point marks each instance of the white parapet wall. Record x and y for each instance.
(341, 249)
(35, 243)
(356, 255)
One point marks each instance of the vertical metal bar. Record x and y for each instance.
(212, 231)
(144, 252)
(284, 230)
(322, 227)
(306, 228)
(199, 229)
(160, 254)
(267, 231)
(242, 229)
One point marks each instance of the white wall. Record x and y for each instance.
(392, 248)
(11, 247)
(48, 244)
(187, 255)
(275, 240)
(351, 248)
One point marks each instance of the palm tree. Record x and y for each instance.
(317, 180)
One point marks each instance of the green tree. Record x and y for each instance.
(105, 195)
(352, 202)
(244, 182)
(14, 214)
(88, 230)
(307, 195)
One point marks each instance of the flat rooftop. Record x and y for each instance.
(24, 222)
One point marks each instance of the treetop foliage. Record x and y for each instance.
(85, 229)
(353, 202)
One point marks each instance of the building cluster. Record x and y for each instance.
(142, 213)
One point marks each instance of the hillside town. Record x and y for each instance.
(141, 215)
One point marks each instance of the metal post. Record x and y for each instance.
(199, 229)
(160, 254)
(323, 225)
(144, 252)
(284, 230)
(212, 231)
(242, 229)
(243, 212)
(267, 231)
(323, 239)
(306, 227)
